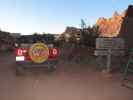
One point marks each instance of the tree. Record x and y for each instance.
(89, 35)
(95, 30)
(83, 24)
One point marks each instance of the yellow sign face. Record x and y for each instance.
(39, 52)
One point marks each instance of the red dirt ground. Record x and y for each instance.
(68, 82)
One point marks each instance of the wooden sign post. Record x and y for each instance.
(109, 47)
(109, 61)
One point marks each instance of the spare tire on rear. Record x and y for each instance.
(39, 52)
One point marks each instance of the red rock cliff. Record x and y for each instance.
(110, 27)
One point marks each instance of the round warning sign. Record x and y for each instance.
(39, 52)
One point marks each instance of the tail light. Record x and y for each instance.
(53, 53)
(21, 54)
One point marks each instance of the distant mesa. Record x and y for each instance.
(70, 32)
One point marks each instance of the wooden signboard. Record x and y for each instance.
(108, 47)
(106, 52)
(109, 43)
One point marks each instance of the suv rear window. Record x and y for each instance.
(47, 38)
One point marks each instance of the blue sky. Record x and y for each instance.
(52, 16)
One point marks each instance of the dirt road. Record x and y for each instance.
(69, 82)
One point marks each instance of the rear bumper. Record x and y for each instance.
(29, 64)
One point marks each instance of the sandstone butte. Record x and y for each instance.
(110, 27)
(113, 27)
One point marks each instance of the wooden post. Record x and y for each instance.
(108, 61)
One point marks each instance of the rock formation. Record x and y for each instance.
(110, 27)
(126, 30)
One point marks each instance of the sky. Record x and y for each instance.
(53, 16)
